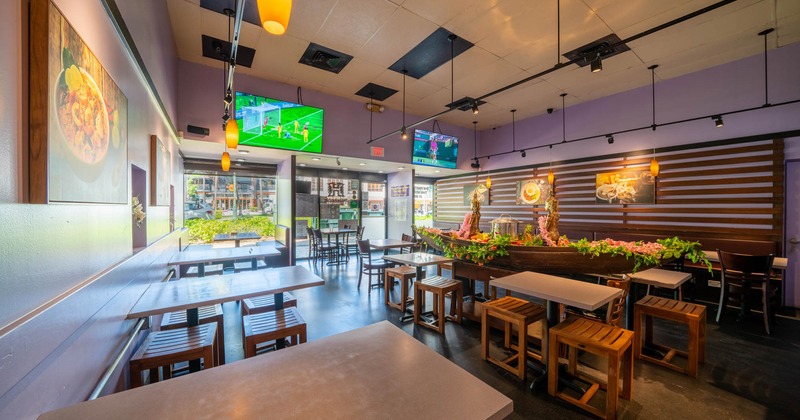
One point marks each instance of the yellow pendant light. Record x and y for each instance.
(489, 182)
(232, 133)
(654, 167)
(274, 15)
(551, 177)
(226, 161)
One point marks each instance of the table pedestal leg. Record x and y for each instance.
(193, 320)
(280, 343)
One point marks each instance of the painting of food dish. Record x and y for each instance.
(625, 187)
(87, 141)
(534, 191)
(479, 189)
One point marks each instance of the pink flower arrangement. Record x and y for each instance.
(646, 248)
(463, 233)
(542, 221)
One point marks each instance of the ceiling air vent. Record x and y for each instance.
(325, 58)
(605, 47)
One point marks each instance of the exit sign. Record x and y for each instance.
(376, 151)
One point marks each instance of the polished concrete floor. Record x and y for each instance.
(747, 374)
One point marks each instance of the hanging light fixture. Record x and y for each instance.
(551, 177)
(653, 163)
(563, 119)
(477, 163)
(489, 182)
(513, 132)
(718, 121)
(597, 64)
(274, 15)
(403, 134)
(232, 133)
(226, 161)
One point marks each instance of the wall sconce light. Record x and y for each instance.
(718, 121)
(274, 15)
(226, 161)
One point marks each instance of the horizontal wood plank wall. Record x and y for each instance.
(723, 191)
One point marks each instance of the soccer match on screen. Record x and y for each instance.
(265, 122)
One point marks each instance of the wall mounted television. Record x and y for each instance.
(272, 123)
(435, 149)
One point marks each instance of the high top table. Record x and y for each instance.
(377, 371)
(190, 294)
(202, 256)
(386, 244)
(555, 290)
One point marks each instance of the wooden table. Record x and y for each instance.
(416, 260)
(236, 237)
(386, 244)
(778, 263)
(555, 290)
(336, 232)
(191, 294)
(656, 277)
(202, 256)
(377, 371)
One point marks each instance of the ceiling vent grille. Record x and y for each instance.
(602, 47)
(325, 58)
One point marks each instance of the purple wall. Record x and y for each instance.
(346, 122)
(728, 87)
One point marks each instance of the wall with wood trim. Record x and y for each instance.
(726, 189)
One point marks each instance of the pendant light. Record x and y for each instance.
(551, 177)
(654, 163)
(226, 161)
(477, 163)
(403, 134)
(274, 15)
(232, 133)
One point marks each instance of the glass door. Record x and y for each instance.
(373, 209)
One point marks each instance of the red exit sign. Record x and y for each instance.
(376, 151)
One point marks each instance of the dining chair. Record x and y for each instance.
(611, 314)
(408, 249)
(369, 266)
(312, 244)
(324, 250)
(353, 246)
(742, 274)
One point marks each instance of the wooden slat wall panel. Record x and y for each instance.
(727, 191)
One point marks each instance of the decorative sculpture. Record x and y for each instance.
(551, 226)
(475, 220)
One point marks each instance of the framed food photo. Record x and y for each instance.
(534, 191)
(78, 118)
(160, 161)
(479, 189)
(625, 187)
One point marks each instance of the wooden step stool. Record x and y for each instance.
(208, 314)
(444, 266)
(614, 343)
(440, 287)
(512, 312)
(694, 316)
(266, 303)
(277, 325)
(406, 275)
(164, 348)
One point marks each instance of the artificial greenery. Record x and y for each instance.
(202, 230)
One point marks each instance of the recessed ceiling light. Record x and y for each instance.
(437, 171)
(315, 158)
(380, 172)
(244, 151)
(240, 159)
(344, 169)
(362, 164)
(401, 167)
(302, 164)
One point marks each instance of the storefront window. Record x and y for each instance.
(423, 205)
(338, 204)
(373, 196)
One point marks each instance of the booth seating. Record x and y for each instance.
(207, 314)
(604, 340)
(261, 304)
(406, 275)
(162, 349)
(440, 287)
(272, 326)
(694, 316)
(513, 312)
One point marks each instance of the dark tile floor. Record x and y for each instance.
(747, 374)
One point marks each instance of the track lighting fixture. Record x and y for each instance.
(338, 163)
(475, 109)
(476, 164)
(228, 97)
(403, 134)
(718, 121)
(522, 153)
(610, 138)
(597, 64)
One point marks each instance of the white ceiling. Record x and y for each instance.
(513, 39)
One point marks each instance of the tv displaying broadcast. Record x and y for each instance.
(435, 149)
(266, 122)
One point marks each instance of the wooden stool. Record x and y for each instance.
(276, 325)
(164, 348)
(687, 313)
(261, 304)
(439, 286)
(208, 314)
(511, 311)
(444, 266)
(601, 339)
(406, 275)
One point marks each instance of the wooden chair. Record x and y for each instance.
(162, 349)
(268, 326)
(694, 316)
(369, 266)
(742, 274)
(207, 315)
(323, 249)
(312, 244)
(604, 340)
(353, 245)
(512, 312)
(439, 287)
(408, 249)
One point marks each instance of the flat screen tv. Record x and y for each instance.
(266, 122)
(435, 149)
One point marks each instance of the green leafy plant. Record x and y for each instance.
(202, 230)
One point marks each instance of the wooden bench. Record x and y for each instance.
(513, 312)
(207, 314)
(261, 304)
(694, 316)
(439, 287)
(272, 326)
(611, 342)
(162, 349)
